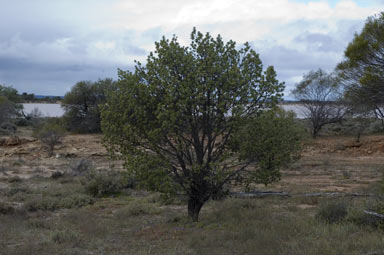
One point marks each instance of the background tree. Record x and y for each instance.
(81, 105)
(362, 70)
(320, 95)
(174, 121)
(9, 104)
(10, 93)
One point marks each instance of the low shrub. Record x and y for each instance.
(100, 184)
(15, 179)
(81, 167)
(52, 203)
(57, 174)
(66, 236)
(7, 126)
(137, 208)
(6, 209)
(332, 212)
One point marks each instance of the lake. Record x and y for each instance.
(55, 110)
(48, 110)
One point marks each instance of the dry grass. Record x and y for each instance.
(65, 220)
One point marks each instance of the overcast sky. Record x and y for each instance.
(46, 46)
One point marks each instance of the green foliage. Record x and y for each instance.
(52, 203)
(320, 95)
(101, 184)
(332, 212)
(50, 134)
(9, 93)
(81, 105)
(173, 119)
(361, 71)
(271, 140)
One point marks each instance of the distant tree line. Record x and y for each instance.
(356, 87)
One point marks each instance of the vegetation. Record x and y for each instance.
(81, 105)
(273, 140)
(50, 134)
(176, 120)
(320, 95)
(9, 104)
(361, 71)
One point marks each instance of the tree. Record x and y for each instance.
(9, 104)
(319, 94)
(175, 120)
(10, 93)
(81, 105)
(50, 135)
(362, 70)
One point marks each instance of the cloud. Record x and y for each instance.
(50, 45)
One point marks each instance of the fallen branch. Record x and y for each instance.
(374, 214)
(260, 193)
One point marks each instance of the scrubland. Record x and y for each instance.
(80, 202)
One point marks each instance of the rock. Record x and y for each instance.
(14, 140)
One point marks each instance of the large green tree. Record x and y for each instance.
(81, 105)
(362, 70)
(176, 120)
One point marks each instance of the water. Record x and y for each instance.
(48, 110)
(55, 110)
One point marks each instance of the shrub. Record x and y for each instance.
(49, 203)
(137, 208)
(100, 184)
(7, 126)
(50, 134)
(66, 236)
(57, 174)
(332, 212)
(81, 167)
(14, 179)
(6, 209)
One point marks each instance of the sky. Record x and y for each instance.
(47, 46)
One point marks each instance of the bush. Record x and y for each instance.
(81, 167)
(137, 208)
(332, 212)
(15, 179)
(7, 126)
(6, 209)
(50, 203)
(66, 236)
(57, 174)
(50, 134)
(100, 184)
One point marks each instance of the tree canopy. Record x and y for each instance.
(176, 120)
(81, 105)
(362, 70)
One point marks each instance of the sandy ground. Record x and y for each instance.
(327, 164)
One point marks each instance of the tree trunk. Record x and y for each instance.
(194, 207)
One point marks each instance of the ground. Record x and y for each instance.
(44, 214)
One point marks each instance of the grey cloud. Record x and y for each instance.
(319, 42)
